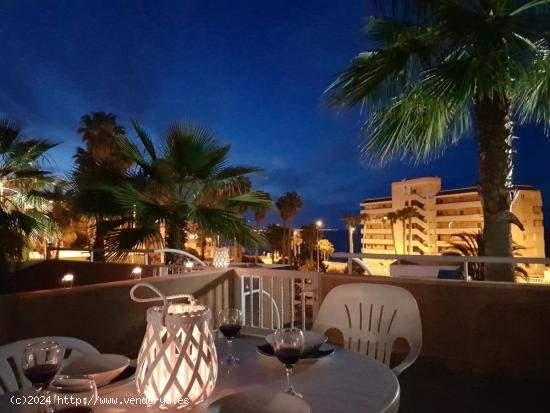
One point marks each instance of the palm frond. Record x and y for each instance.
(417, 126)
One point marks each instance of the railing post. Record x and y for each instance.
(350, 264)
(146, 258)
(466, 274)
(91, 255)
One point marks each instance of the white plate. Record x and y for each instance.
(312, 341)
(101, 367)
(259, 402)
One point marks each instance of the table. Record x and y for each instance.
(343, 382)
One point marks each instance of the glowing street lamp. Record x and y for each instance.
(318, 225)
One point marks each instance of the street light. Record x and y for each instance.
(318, 226)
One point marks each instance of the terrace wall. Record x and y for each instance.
(476, 326)
(103, 315)
(45, 275)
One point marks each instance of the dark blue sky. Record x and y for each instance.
(252, 71)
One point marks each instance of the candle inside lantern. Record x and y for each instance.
(67, 280)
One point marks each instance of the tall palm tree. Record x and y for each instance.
(260, 212)
(184, 180)
(100, 162)
(288, 205)
(100, 131)
(446, 69)
(406, 215)
(392, 218)
(24, 220)
(351, 222)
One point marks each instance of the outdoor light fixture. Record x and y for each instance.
(319, 223)
(136, 273)
(189, 266)
(177, 364)
(67, 280)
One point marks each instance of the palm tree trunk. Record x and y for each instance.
(256, 244)
(494, 129)
(393, 237)
(283, 245)
(99, 240)
(404, 236)
(174, 239)
(290, 242)
(410, 235)
(350, 236)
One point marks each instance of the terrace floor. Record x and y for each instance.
(427, 386)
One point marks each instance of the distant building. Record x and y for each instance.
(442, 214)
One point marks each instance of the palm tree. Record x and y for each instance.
(446, 69)
(24, 220)
(351, 222)
(100, 132)
(288, 205)
(260, 212)
(185, 180)
(473, 245)
(406, 215)
(392, 218)
(101, 162)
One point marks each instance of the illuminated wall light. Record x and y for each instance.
(67, 280)
(136, 273)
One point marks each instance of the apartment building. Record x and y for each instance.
(442, 214)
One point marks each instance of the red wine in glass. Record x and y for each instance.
(41, 361)
(229, 322)
(230, 331)
(41, 374)
(288, 355)
(288, 344)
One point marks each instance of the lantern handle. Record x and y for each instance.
(161, 296)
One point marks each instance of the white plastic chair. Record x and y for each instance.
(371, 317)
(11, 373)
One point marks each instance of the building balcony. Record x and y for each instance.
(459, 218)
(458, 205)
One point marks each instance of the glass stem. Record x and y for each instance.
(229, 348)
(289, 377)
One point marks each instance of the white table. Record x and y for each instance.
(343, 382)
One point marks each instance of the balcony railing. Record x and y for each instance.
(446, 259)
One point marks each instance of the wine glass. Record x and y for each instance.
(289, 345)
(71, 394)
(41, 362)
(229, 323)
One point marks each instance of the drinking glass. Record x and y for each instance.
(71, 394)
(288, 346)
(229, 323)
(41, 362)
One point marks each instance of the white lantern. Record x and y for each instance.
(221, 258)
(177, 364)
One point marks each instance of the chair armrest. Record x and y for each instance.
(410, 359)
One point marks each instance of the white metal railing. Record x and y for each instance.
(442, 259)
(272, 298)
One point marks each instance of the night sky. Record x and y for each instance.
(252, 71)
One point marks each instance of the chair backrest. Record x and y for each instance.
(371, 317)
(12, 377)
